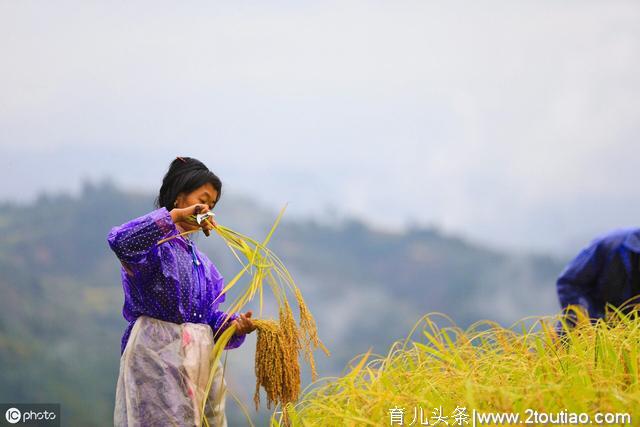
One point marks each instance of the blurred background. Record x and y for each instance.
(435, 156)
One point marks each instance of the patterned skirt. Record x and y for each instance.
(164, 371)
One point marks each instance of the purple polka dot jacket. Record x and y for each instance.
(172, 281)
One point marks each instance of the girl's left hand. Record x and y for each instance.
(243, 323)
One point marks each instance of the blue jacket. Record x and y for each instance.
(607, 271)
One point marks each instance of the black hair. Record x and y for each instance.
(185, 174)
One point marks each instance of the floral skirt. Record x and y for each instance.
(164, 371)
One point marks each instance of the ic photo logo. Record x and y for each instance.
(13, 415)
(30, 414)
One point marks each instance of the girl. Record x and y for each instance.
(169, 292)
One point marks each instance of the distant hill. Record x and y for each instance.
(60, 310)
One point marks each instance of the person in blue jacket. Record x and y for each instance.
(605, 272)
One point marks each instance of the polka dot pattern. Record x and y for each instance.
(173, 281)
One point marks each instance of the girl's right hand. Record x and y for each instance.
(183, 215)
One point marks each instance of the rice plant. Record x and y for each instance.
(526, 369)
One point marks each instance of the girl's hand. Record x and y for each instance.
(208, 224)
(243, 323)
(182, 215)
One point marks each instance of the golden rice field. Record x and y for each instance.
(440, 374)
(443, 375)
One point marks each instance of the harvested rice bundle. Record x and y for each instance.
(276, 362)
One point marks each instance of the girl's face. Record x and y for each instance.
(204, 194)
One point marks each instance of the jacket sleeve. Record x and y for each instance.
(135, 241)
(577, 281)
(219, 327)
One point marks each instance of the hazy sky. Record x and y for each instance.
(514, 123)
